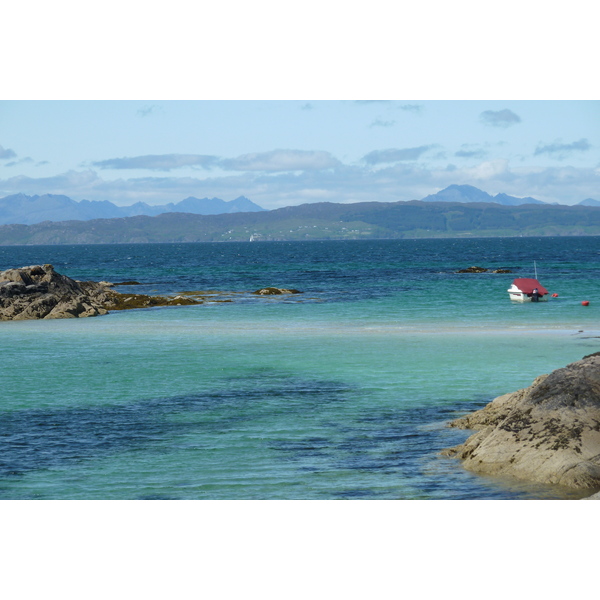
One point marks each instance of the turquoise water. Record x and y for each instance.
(341, 392)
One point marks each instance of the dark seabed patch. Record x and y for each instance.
(332, 443)
(36, 439)
(390, 446)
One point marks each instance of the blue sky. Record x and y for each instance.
(140, 103)
(281, 153)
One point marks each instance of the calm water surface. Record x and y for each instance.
(341, 392)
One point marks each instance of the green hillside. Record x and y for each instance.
(321, 221)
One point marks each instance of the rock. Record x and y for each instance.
(17, 276)
(473, 270)
(482, 270)
(548, 432)
(595, 496)
(128, 301)
(39, 292)
(270, 291)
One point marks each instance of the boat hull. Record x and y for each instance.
(521, 297)
(517, 295)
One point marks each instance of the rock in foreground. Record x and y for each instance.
(548, 432)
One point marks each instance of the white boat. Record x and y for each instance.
(527, 290)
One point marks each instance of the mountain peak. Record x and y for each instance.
(469, 193)
(459, 193)
(589, 202)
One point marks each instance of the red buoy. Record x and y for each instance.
(585, 303)
(555, 295)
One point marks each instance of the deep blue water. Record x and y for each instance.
(363, 268)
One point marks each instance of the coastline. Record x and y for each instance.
(548, 432)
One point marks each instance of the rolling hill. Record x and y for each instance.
(320, 221)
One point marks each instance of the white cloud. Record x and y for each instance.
(69, 183)
(281, 160)
(392, 155)
(488, 170)
(158, 162)
(471, 151)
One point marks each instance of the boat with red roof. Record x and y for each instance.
(527, 290)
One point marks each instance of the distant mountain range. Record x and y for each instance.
(28, 210)
(469, 193)
(321, 221)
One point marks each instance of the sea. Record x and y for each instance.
(341, 392)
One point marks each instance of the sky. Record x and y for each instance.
(288, 152)
(288, 105)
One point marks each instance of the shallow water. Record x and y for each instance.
(343, 391)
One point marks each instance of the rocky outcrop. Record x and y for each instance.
(272, 291)
(39, 292)
(548, 432)
(482, 270)
(472, 270)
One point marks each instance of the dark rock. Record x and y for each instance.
(39, 292)
(271, 291)
(473, 270)
(12, 288)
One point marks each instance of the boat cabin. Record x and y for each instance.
(527, 290)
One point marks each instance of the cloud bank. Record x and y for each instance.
(281, 161)
(392, 155)
(158, 162)
(276, 184)
(274, 161)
